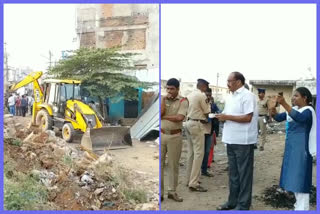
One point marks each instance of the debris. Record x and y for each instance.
(86, 179)
(73, 178)
(18, 126)
(98, 191)
(29, 138)
(108, 204)
(278, 198)
(42, 138)
(44, 176)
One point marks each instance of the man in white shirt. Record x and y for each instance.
(240, 133)
(11, 103)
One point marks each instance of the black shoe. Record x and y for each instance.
(197, 189)
(207, 174)
(240, 208)
(225, 206)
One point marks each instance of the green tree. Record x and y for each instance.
(101, 72)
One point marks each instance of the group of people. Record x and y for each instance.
(19, 105)
(242, 117)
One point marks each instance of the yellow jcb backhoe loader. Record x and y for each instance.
(58, 104)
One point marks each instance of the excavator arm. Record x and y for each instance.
(38, 94)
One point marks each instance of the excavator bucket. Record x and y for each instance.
(111, 137)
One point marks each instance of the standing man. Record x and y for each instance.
(263, 116)
(23, 105)
(215, 121)
(173, 111)
(18, 106)
(207, 138)
(240, 134)
(11, 103)
(198, 111)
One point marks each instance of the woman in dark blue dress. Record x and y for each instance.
(296, 171)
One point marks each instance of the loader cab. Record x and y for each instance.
(58, 92)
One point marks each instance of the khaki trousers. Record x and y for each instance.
(171, 145)
(263, 129)
(195, 134)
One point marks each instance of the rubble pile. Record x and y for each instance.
(75, 179)
(279, 198)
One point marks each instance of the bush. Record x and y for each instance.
(137, 195)
(22, 192)
(67, 159)
(128, 187)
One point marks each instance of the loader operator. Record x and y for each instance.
(173, 111)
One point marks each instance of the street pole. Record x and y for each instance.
(50, 59)
(217, 86)
(6, 62)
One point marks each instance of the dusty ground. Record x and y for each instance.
(139, 164)
(143, 156)
(267, 167)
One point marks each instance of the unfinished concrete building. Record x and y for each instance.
(131, 27)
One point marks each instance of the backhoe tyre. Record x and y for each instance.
(44, 120)
(68, 132)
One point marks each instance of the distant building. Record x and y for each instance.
(133, 28)
(273, 87)
(311, 84)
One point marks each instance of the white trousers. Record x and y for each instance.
(302, 201)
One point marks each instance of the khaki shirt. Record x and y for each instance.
(198, 106)
(263, 106)
(174, 107)
(207, 126)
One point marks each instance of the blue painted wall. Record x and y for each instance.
(116, 105)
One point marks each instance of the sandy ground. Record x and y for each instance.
(142, 156)
(267, 167)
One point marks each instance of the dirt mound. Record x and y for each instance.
(279, 198)
(72, 178)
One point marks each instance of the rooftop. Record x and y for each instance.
(273, 82)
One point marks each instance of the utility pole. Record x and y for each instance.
(217, 86)
(50, 59)
(6, 63)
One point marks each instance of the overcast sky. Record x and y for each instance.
(31, 30)
(266, 42)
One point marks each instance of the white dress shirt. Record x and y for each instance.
(11, 101)
(241, 102)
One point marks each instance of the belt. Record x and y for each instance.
(262, 115)
(170, 132)
(198, 120)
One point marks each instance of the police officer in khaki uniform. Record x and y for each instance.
(173, 111)
(263, 113)
(198, 111)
